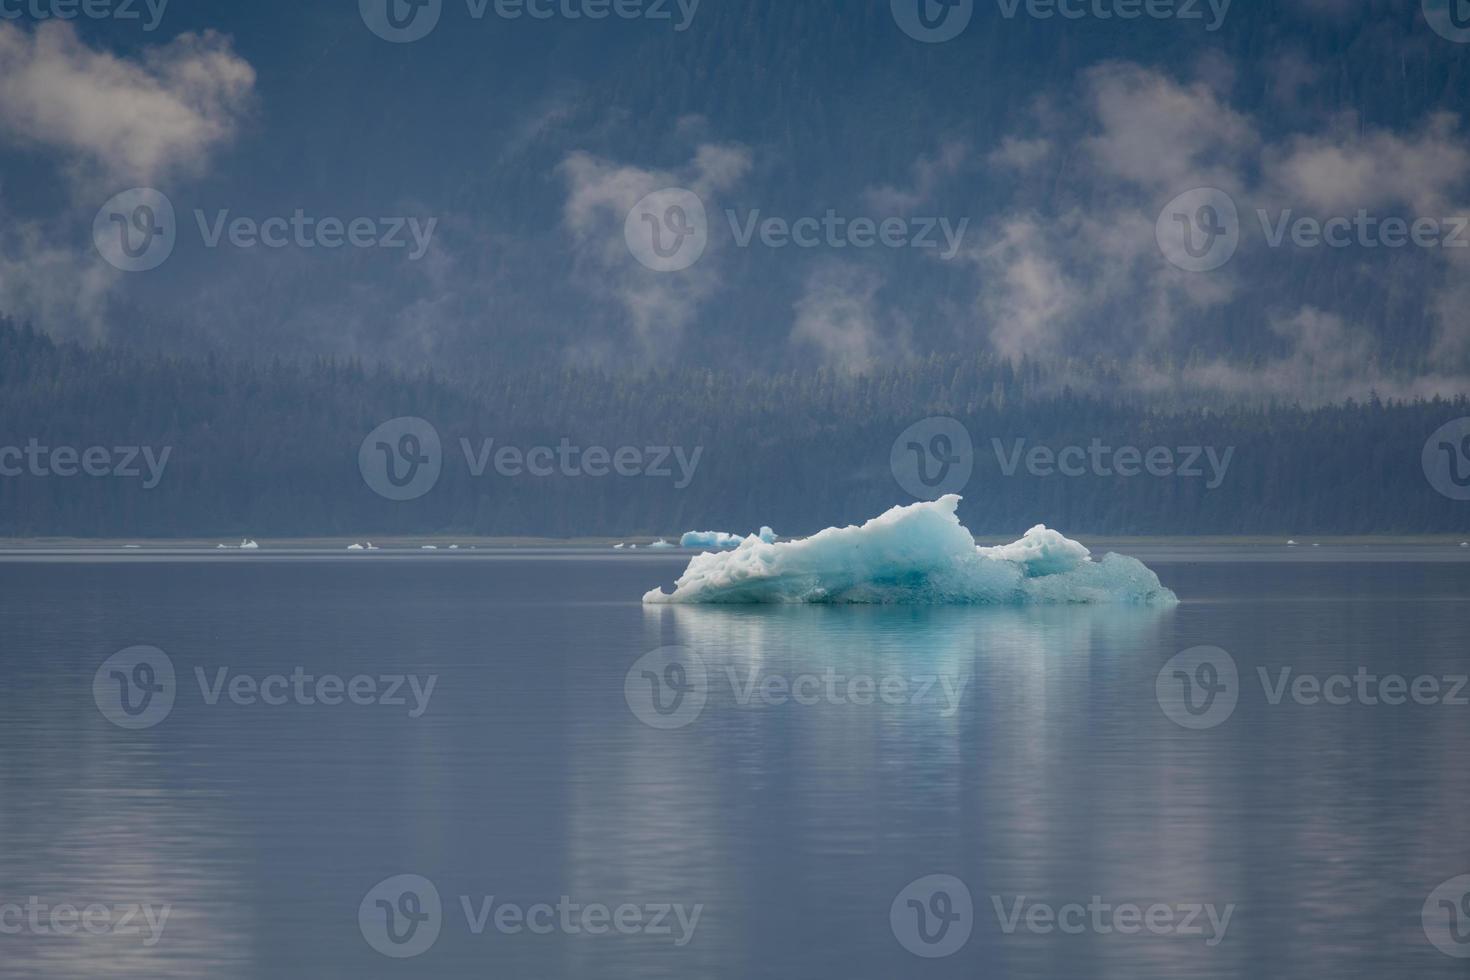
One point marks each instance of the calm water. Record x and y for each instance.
(1031, 757)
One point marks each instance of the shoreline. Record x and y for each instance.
(401, 543)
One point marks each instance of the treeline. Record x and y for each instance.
(273, 450)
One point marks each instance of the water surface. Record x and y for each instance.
(540, 768)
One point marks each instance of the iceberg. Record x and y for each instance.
(919, 554)
(721, 540)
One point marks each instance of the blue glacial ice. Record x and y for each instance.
(721, 540)
(916, 555)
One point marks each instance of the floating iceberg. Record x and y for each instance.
(660, 544)
(919, 554)
(721, 540)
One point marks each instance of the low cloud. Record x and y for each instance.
(126, 120)
(838, 317)
(600, 194)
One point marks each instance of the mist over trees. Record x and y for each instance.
(271, 449)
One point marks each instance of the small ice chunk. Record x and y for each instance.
(718, 540)
(721, 540)
(919, 554)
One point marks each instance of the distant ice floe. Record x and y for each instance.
(248, 545)
(918, 555)
(660, 544)
(721, 540)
